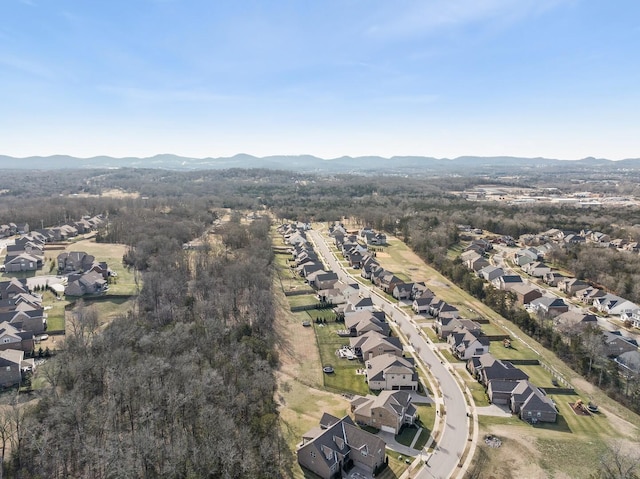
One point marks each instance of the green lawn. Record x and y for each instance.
(406, 435)
(55, 315)
(477, 392)
(492, 329)
(302, 300)
(517, 350)
(396, 466)
(427, 415)
(344, 377)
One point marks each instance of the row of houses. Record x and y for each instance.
(557, 237)
(27, 253)
(568, 323)
(21, 318)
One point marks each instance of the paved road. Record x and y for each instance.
(444, 461)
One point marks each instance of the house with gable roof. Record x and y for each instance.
(373, 343)
(388, 411)
(465, 344)
(390, 372)
(532, 404)
(337, 443)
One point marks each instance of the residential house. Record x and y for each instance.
(477, 263)
(11, 364)
(507, 281)
(629, 362)
(489, 273)
(525, 293)
(26, 319)
(322, 279)
(486, 368)
(372, 344)
(532, 404)
(444, 326)
(21, 262)
(537, 269)
(389, 281)
(361, 322)
(553, 278)
(388, 411)
(614, 305)
(367, 265)
(616, 344)
(75, 261)
(419, 289)
(465, 344)
(549, 305)
(13, 338)
(402, 291)
(500, 391)
(308, 268)
(85, 283)
(13, 287)
(573, 322)
(633, 317)
(325, 450)
(422, 304)
(390, 372)
(571, 285)
(440, 308)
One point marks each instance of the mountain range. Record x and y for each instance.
(401, 165)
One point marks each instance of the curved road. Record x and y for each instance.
(447, 454)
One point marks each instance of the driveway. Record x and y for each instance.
(43, 281)
(494, 410)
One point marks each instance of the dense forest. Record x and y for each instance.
(181, 387)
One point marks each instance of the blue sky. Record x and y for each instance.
(442, 78)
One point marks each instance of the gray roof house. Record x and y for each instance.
(326, 450)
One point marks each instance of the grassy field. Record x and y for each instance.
(517, 350)
(344, 377)
(303, 300)
(492, 329)
(112, 254)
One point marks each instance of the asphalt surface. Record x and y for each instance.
(443, 463)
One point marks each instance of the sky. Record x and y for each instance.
(210, 78)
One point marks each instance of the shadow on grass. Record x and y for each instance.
(560, 425)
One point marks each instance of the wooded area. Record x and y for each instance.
(183, 385)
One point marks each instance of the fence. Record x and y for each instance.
(523, 362)
(299, 292)
(309, 307)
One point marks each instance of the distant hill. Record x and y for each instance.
(400, 165)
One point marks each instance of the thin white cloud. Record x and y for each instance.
(424, 17)
(27, 66)
(170, 95)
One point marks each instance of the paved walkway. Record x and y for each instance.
(493, 410)
(415, 438)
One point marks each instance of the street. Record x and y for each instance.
(453, 437)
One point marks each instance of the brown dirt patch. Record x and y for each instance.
(382, 255)
(579, 409)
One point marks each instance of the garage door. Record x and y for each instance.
(388, 429)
